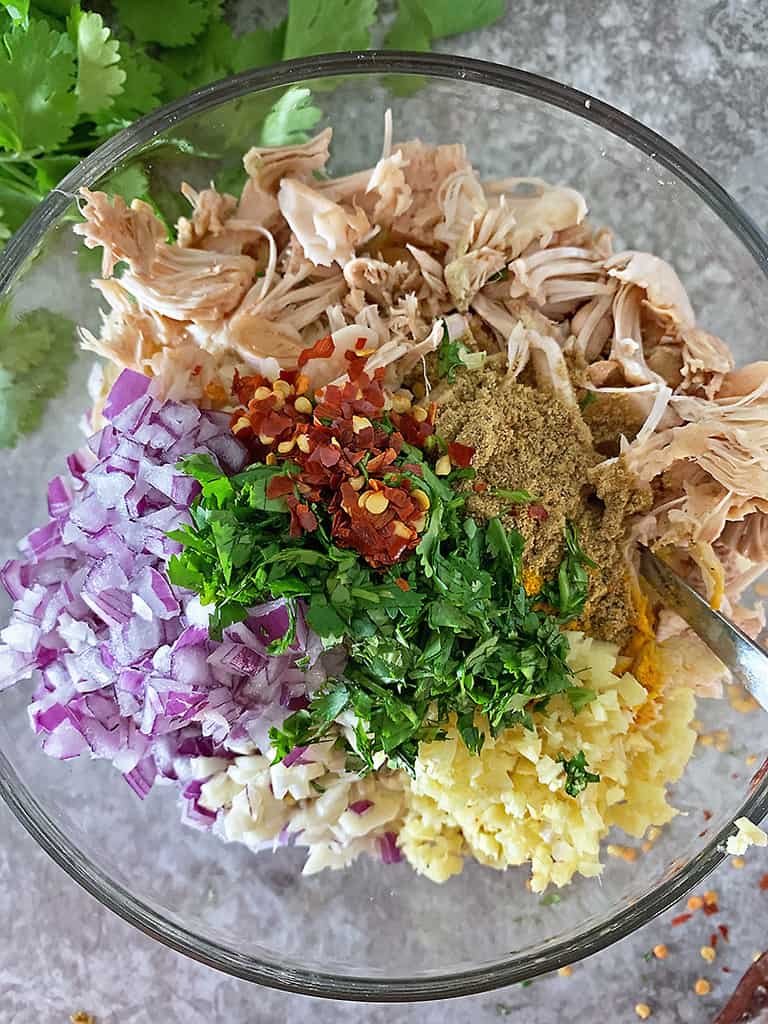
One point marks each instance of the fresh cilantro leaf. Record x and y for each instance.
(35, 353)
(411, 29)
(58, 8)
(99, 76)
(330, 704)
(142, 91)
(18, 11)
(49, 170)
(326, 621)
(130, 182)
(579, 697)
(38, 106)
(449, 18)
(177, 23)
(325, 26)
(569, 593)
(259, 48)
(518, 497)
(577, 776)
(454, 355)
(291, 119)
(587, 400)
(19, 195)
(473, 738)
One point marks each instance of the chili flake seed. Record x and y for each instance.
(377, 503)
(710, 897)
(565, 972)
(737, 862)
(303, 405)
(702, 987)
(419, 414)
(660, 951)
(443, 466)
(695, 902)
(643, 1010)
(708, 953)
(680, 919)
(756, 956)
(751, 759)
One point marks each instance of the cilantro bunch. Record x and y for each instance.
(71, 77)
(450, 631)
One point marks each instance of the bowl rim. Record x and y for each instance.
(35, 818)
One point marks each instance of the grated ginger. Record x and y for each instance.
(507, 805)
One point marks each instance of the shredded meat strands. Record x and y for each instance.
(374, 267)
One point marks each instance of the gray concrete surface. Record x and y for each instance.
(696, 72)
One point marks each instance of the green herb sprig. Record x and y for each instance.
(577, 775)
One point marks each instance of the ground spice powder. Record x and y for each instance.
(527, 440)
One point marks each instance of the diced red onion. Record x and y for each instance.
(295, 756)
(389, 851)
(360, 806)
(128, 672)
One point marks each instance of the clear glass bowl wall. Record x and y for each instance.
(372, 931)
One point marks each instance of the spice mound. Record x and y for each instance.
(538, 470)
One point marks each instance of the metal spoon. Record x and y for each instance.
(746, 659)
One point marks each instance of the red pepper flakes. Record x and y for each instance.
(723, 929)
(726, 970)
(479, 487)
(680, 919)
(537, 512)
(713, 940)
(707, 815)
(460, 454)
(345, 458)
(403, 584)
(711, 908)
(763, 883)
(322, 349)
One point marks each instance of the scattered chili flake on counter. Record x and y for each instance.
(702, 987)
(660, 951)
(763, 883)
(643, 1010)
(680, 919)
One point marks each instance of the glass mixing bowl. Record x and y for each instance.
(374, 932)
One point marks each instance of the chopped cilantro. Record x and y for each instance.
(518, 497)
(569, 592)
(577, 777)
(463, 642)
(587, 400)
(453, 355)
